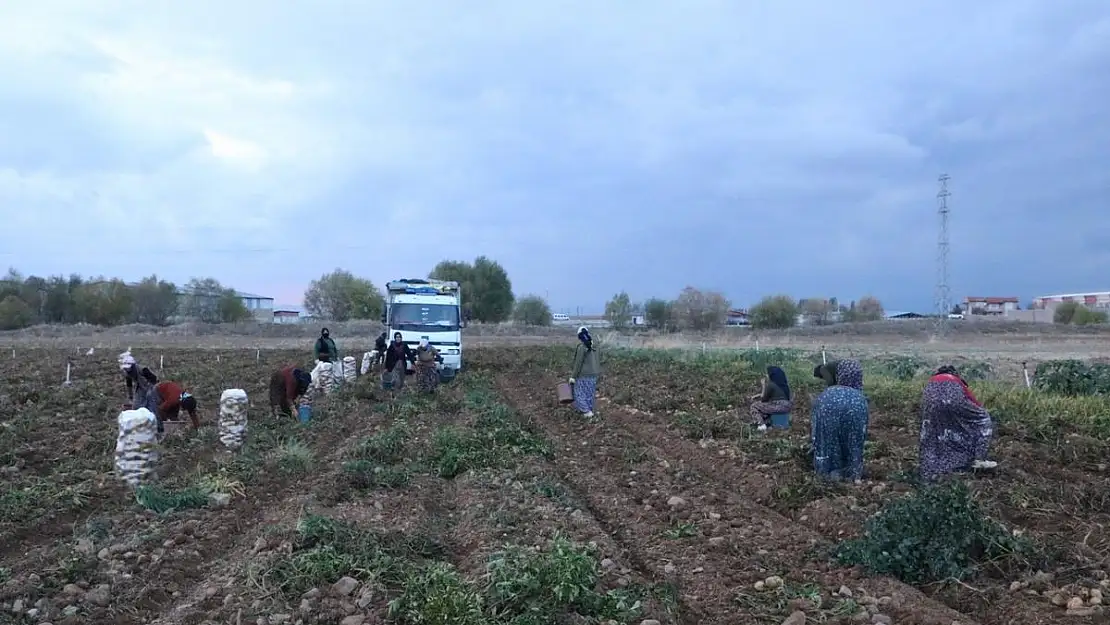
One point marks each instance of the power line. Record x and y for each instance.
(942, 297)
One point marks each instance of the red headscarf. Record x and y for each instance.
(952, 377)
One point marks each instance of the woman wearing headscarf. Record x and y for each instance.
(827, 372)
(773, 399)
(955, 428)
(286, 385)
(584, 373)
(396, 355)
(172, 399)
(325, 348)
(427, 374)
(839, 425)
(130, 372)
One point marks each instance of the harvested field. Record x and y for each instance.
(487, 503)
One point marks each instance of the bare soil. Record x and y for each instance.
(669, 489)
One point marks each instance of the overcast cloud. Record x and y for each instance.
(751, 147)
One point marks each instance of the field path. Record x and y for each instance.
(639, 486)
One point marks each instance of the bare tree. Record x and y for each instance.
(817, 310)
(700, 310)
(869, 308)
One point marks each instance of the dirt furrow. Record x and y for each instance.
(736, 543)
(749, 476)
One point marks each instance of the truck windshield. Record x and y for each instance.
(424, 317)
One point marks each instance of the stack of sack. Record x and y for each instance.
(367, 360)
(325, 379)
(137, 446)
(233, 418)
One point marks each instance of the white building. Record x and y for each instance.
(989, 305)
(1099, 299)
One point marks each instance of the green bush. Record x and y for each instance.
(162, 500)
(528, 586)
(903, 368)
(326, 549)
(1086, 316)
(1072, 377)
(937, 533)
(438, 595)
(1077, 314)
(532, 310)
(774, 312)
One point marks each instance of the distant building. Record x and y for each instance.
(989, 305)
(1099, 299)
(897, 316)
(260, 306)
(286, 316)
(290, 314)
(737, 317)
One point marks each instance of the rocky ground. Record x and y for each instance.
(491, 504)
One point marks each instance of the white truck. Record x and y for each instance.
(427, 309)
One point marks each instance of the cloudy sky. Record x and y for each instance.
(749, 147)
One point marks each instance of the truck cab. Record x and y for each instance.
(430, 309)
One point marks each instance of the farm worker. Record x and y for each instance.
(286, 385)
(427, 375)
(955, 428)
(827, 372)
(380, 345)
(326, 351)
(584, 373)
(773, 399)
(128, 367)
(839, 425)
(136, 379)
(172, 399)
(396, 355)
(140, 387)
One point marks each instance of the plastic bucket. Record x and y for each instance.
(304, 414)
(387, 380)
(780, 421)
(564, 393)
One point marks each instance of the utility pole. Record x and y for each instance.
(942, 296)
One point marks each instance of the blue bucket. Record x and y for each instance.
(780, 421)
(304, 414)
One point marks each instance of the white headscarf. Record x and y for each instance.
(585, 338)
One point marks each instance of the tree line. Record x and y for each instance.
(31, 300)
(342, 296)
(336, 296)
(486, 288)
(698, 310)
